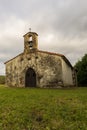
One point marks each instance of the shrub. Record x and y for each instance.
(2, 79)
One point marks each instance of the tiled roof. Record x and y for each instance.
(57, 54)
(50, 53)
(30, 33)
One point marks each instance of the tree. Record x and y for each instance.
(81, 67)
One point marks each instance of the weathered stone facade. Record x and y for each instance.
(35, 68)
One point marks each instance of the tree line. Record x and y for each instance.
(81, 67)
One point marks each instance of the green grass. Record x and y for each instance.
(43, 109)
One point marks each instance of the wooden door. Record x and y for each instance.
(30, 78)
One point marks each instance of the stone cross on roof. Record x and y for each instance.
(29, 29)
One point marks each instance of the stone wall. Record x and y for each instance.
(68, 75)
(48, 69)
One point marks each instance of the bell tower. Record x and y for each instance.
(30, 42)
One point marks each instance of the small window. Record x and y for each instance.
(30, 38)
(36, 57)
(31, 44)
(21, 59)
(29, 58)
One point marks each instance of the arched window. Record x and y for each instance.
(30, 38)
(30, 42)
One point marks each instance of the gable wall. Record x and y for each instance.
(47, 67)
(13, 69)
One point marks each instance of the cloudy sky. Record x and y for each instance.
(60, 24)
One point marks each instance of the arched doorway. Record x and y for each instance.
(30, 78)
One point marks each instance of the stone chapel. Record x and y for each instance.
(37, 68)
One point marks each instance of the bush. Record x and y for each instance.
(81, 67)
(2, 79)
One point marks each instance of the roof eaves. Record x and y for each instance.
(67, 61)
(57, 54)
(13, 58)
(30, 33)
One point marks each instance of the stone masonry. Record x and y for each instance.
(35, 68)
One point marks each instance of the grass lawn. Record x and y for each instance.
(43, 109)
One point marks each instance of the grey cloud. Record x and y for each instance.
(70, 19)
(64, 20)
